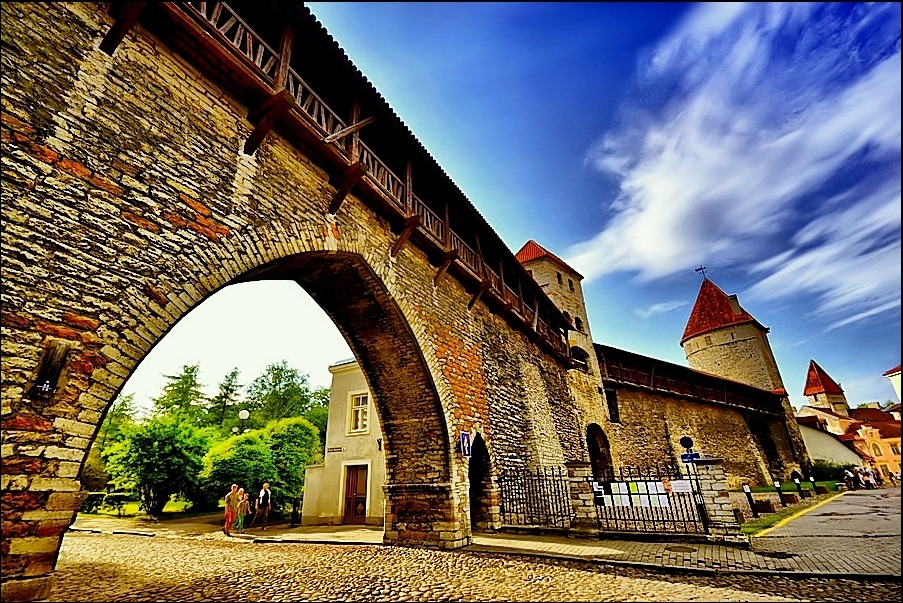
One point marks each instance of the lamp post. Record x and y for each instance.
(243, 414)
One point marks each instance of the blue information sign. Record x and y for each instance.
(689, 457)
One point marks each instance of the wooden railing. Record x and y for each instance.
(261, 58)
(235, 31)
(627, 368)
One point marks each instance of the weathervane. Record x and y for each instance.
(700, 270)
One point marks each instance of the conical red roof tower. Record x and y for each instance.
(819, 382)
(715, 309)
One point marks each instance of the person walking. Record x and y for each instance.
(244, 508)
(264, 501)
(232, 501)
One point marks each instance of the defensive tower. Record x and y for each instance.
(561, 284)
(823, 392)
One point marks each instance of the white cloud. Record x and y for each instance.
(659, 308)
(776, 151)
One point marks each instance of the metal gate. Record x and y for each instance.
(539, 498)
(659, 500)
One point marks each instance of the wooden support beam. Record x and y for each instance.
(128, 16)
(450, 256)
(410, 225)
(285, 57)
(484, 286)
(352, 174)
(349, 130)
(266, 117)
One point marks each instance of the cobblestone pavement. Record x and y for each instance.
(212, 567)
(813, 557)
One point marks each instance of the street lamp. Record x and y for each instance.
(243, 414)
(235, 430)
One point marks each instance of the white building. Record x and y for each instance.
(347, 488)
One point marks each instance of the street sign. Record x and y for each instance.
(689, 457)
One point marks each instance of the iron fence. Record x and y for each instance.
(539, 497)
(659, 499)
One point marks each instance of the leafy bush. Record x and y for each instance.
(825, 470)
(157, 459)
(295, 443)
(92, 503)
(245, 460)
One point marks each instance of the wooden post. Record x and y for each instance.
(124, 22)
(285, 57)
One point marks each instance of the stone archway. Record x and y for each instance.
(479, 478)
(599, 452)
(139, 182)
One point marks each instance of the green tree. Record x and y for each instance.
(183, 396)
(121, 414)
(319, 418)
(245, 459)
(295, 443)
(158, 458)
(119, 417)
(221, 405)
(280, 392)
(318, 414)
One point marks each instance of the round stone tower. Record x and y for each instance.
(724, 339)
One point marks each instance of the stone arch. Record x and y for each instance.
(480, 485)
(353, 296)
(599, 452)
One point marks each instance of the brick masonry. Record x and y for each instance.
(127, 201)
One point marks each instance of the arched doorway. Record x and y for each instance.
(478, 474)
(599, 452)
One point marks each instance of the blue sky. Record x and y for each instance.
(638, 141)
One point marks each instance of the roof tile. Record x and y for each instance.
(713, 310)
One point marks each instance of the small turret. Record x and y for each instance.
(562, 284)
(823, 392)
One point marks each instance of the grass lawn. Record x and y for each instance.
(791, 487)
(767, 520)
(130, 509)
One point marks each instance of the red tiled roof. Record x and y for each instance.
(892, 371)
(712, 311)
(872, 415)
(888, 429)
(818, 382)
(534, 251)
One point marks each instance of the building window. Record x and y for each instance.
(570, 284)
(895, 449)
(558, 274)
(708, 340)
(876, 450)
(578, 323)
(611, 398)
(358, 414)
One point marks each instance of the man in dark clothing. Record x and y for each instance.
(264, 501)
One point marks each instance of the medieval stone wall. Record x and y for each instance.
(652, 425)
(127, 201)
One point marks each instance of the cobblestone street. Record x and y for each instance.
(114, 567)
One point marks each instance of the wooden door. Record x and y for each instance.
(355, 494)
